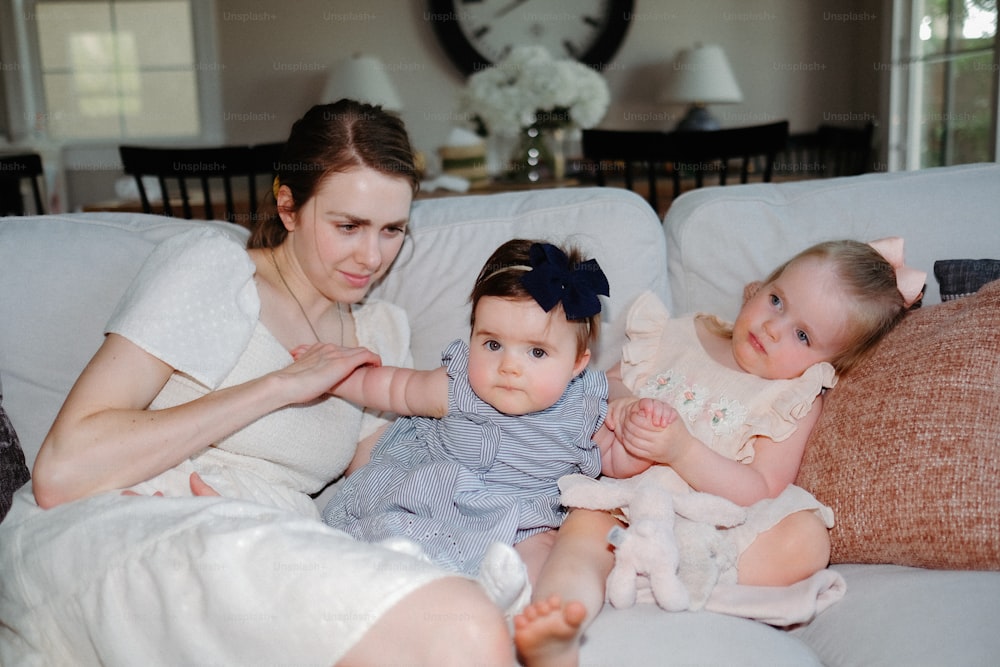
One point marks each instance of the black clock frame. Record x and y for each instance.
(443, 16)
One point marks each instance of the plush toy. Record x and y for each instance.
(672, 540)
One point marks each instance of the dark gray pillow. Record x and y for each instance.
(962, 277)
(13, 471)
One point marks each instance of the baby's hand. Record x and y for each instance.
(658, 413)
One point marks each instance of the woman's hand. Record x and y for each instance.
(198, 488)
(319, 368)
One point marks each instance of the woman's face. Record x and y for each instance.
(348, 234)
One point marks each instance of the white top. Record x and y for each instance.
(195, 306)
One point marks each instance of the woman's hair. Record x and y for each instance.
(870, 282)
(501, 277)
(335, 138)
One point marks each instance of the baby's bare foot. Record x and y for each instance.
(547, 633)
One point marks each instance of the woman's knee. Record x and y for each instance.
(449, 621)
(797, 547)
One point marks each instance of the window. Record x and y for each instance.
(114, 70)
(944, 83)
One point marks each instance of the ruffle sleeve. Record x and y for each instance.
(193, 305)
(644, 327)
(794, 401)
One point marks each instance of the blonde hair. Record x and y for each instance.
(870, 281)
(876, 305)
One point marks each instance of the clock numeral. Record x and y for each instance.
(479, 33)
(570, 49)
(591, 21)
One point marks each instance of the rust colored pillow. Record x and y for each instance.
(907, 450)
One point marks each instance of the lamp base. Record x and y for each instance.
(698, 119)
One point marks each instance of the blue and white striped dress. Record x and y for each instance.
(457, 484)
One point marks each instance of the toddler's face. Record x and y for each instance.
(790, 324)
(520, 358)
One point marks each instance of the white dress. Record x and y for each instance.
(249, 578)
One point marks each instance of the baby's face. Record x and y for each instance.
(790, 324)
(521, 358)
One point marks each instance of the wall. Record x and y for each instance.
(809, 62)
(806, 61)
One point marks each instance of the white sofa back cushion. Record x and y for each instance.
(63, 275)
(452, 238)
(718, 239)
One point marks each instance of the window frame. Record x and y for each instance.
(24, 88)
(905, 132)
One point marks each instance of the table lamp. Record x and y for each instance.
(362, 78)
(702, 76)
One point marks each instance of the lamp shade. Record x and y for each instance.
(362, 78)
(702, 75)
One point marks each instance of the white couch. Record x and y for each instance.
(62, 276)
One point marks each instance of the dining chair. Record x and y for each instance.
(15, 171)
(628, 152)
(753, 147)
(178, 171)
(829, 151)
(845, 151)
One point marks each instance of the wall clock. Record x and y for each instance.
(478, 33)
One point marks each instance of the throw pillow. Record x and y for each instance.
(907, 450)
(13, 471)
(962, 277)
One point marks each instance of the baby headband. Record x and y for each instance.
(552, 280)
(909, 281)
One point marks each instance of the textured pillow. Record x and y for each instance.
(13, 471)
(907, 450)
(962, 277)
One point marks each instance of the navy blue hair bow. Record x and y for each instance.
(552, 280)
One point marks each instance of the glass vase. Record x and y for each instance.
(531, 159)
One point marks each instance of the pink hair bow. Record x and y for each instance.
(909, 281)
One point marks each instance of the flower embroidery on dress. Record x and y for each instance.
(727, 416)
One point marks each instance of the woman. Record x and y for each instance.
(194, 375)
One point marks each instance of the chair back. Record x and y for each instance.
(178, 171)
(753, 147)
(629, 152)
(845, 151)
(16, 170)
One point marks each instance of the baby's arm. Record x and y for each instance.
(403, 391)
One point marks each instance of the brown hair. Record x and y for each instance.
(335, 138)
(870, 281)
(501, 277)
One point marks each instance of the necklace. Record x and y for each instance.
(340, 312)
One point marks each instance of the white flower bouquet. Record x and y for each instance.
(531, 88)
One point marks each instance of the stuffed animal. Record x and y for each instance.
(672, 542)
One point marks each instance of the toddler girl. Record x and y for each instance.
(729, 408)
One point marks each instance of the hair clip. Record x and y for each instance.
(909, 281)
(552, 280)
(275, 186)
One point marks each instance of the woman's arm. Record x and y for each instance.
(774, 467)
(104, 437)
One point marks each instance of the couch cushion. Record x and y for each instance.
(909, 617)
(907, 450)
(718, 239)
(450, 239)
